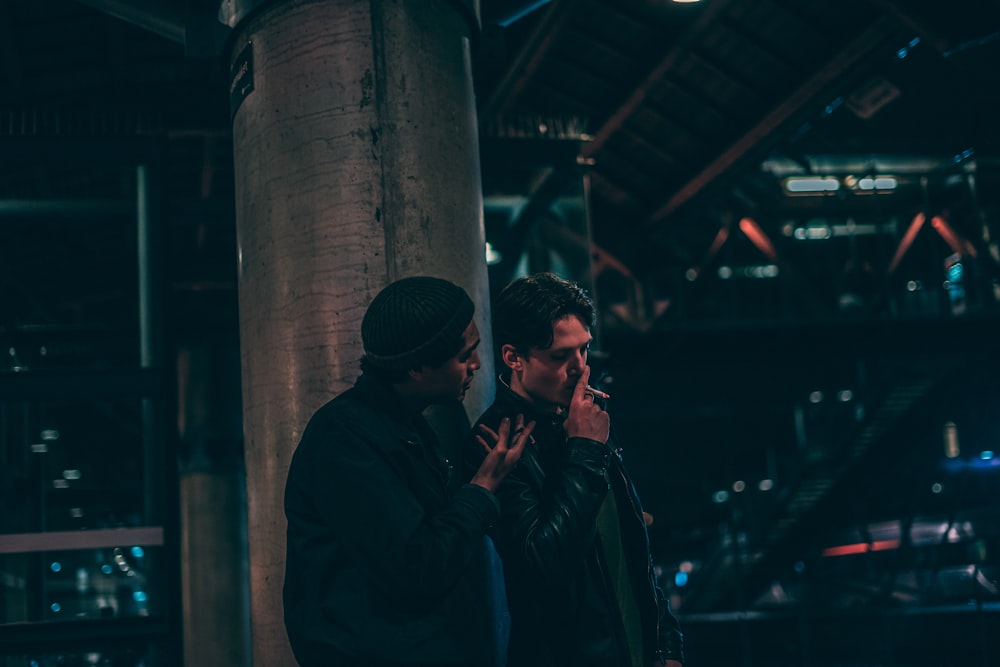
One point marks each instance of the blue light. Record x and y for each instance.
(139, 596)
(106, 569)
(521, 13)
(681, 579)
(902, 53)
(832, 106)
(985, 462)
(56, 566)
(138, 552)
(964, 155)
(55, 607)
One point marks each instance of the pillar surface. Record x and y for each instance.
(356, 163)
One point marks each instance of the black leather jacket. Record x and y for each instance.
(562, 609)
(384, 543)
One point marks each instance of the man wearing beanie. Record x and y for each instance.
(386, 548)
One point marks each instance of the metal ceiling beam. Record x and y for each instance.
(806, 94)
(622, 113)
(903, 14)
(612, 192)
(527, 60)
(161, 18)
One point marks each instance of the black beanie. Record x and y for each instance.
(415, 321)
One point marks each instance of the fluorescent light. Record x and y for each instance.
(802, 184)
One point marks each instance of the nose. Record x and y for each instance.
(474, 362)
(578, 362)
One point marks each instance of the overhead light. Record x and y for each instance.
(799, 185)
(813, 233)
(868, 184)
(492, 256)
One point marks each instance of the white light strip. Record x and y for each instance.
(810, 184)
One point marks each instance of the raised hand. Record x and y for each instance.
(503, 450)
(586, 419)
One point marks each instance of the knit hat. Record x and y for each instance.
(415, 321)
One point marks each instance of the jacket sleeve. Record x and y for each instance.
(670, 642)
(549, 527)
(346, 500)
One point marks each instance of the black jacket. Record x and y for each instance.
(384, 542)
(562, 609)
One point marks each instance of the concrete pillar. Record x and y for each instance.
(212, 496)
(356, 163)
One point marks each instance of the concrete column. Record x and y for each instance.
(212, 496)
(356, 163)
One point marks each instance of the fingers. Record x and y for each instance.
(580, 391)
(520, 440)
(523, 438)
(504, 429)
(488, 435)
(506, 443)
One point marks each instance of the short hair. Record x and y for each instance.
(526, 310)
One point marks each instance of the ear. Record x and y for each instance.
(510, 356)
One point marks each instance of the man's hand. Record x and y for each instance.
(585, 419)
(503, 451)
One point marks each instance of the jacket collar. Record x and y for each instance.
(383, 398)
(514, 403)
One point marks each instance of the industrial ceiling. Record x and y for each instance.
(790, 361)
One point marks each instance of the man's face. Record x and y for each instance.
(451, 380)
(547, 377)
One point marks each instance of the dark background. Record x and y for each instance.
(783, 386)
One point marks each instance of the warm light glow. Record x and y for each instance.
(758, 237)
(861, 547)
(958, 244)
(951, 446)
(904, 245)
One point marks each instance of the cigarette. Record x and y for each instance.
(597, 392)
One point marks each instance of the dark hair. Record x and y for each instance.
(526, 310)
